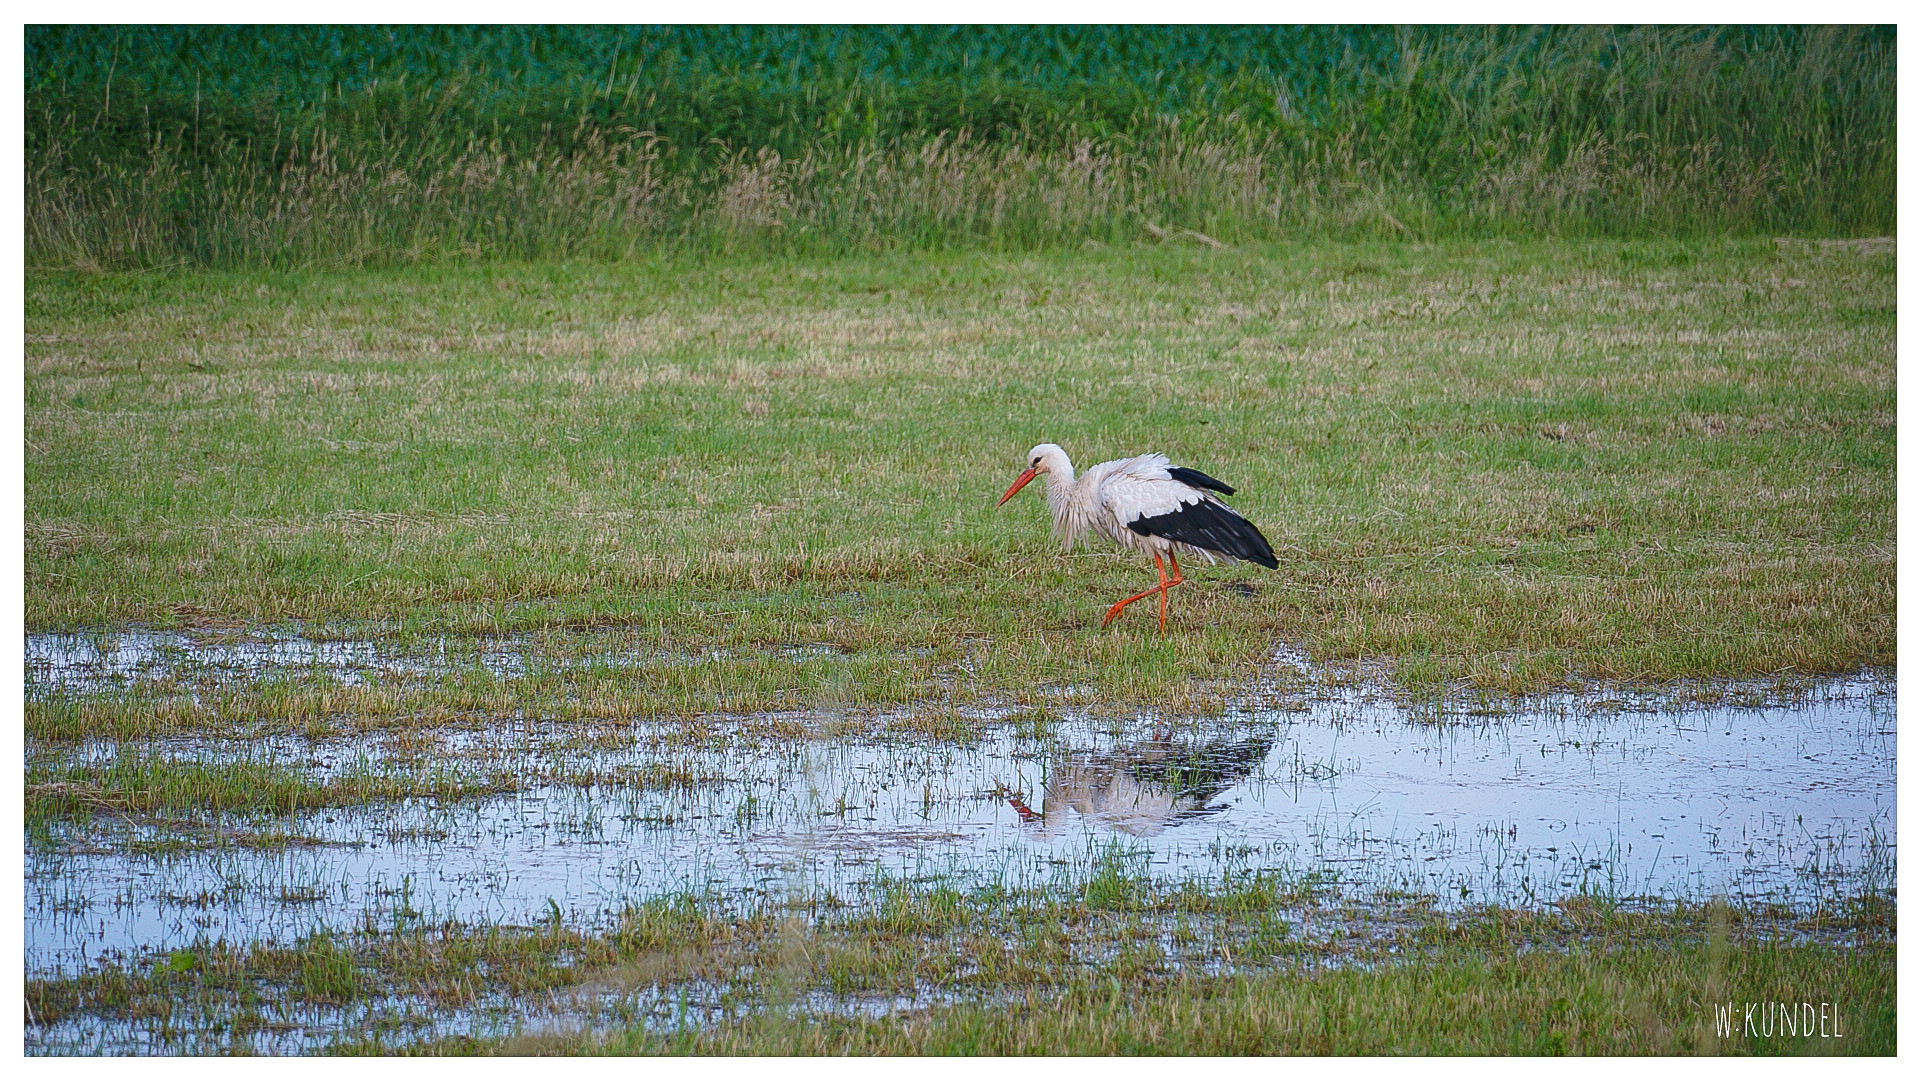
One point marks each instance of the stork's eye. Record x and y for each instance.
(1035, 462)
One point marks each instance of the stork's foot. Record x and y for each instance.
(1160, 589)
(1027, 813)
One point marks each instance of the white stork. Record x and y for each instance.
(1145, 504)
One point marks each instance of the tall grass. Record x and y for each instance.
(350, 146)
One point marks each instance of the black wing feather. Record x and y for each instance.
(1194, 478)
(1210, 526)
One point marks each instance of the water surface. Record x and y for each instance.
(1788, 804)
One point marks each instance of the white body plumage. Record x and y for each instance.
(1108, 496)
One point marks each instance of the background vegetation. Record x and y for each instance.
(284, 146)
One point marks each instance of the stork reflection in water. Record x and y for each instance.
(1141, 788)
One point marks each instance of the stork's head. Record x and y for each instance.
(1044, 458)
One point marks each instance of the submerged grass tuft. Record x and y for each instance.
(137, 787)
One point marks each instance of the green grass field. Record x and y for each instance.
(1502, 466)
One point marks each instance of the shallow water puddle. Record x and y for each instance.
(119, 659)
(115, 660)
(1785, 804)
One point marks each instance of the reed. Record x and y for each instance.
(230, 147)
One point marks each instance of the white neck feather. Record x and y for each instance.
(1071, 504)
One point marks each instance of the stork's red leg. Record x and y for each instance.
(1114, 611)
(1165, 585)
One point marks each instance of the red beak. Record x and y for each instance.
(1018, 484)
